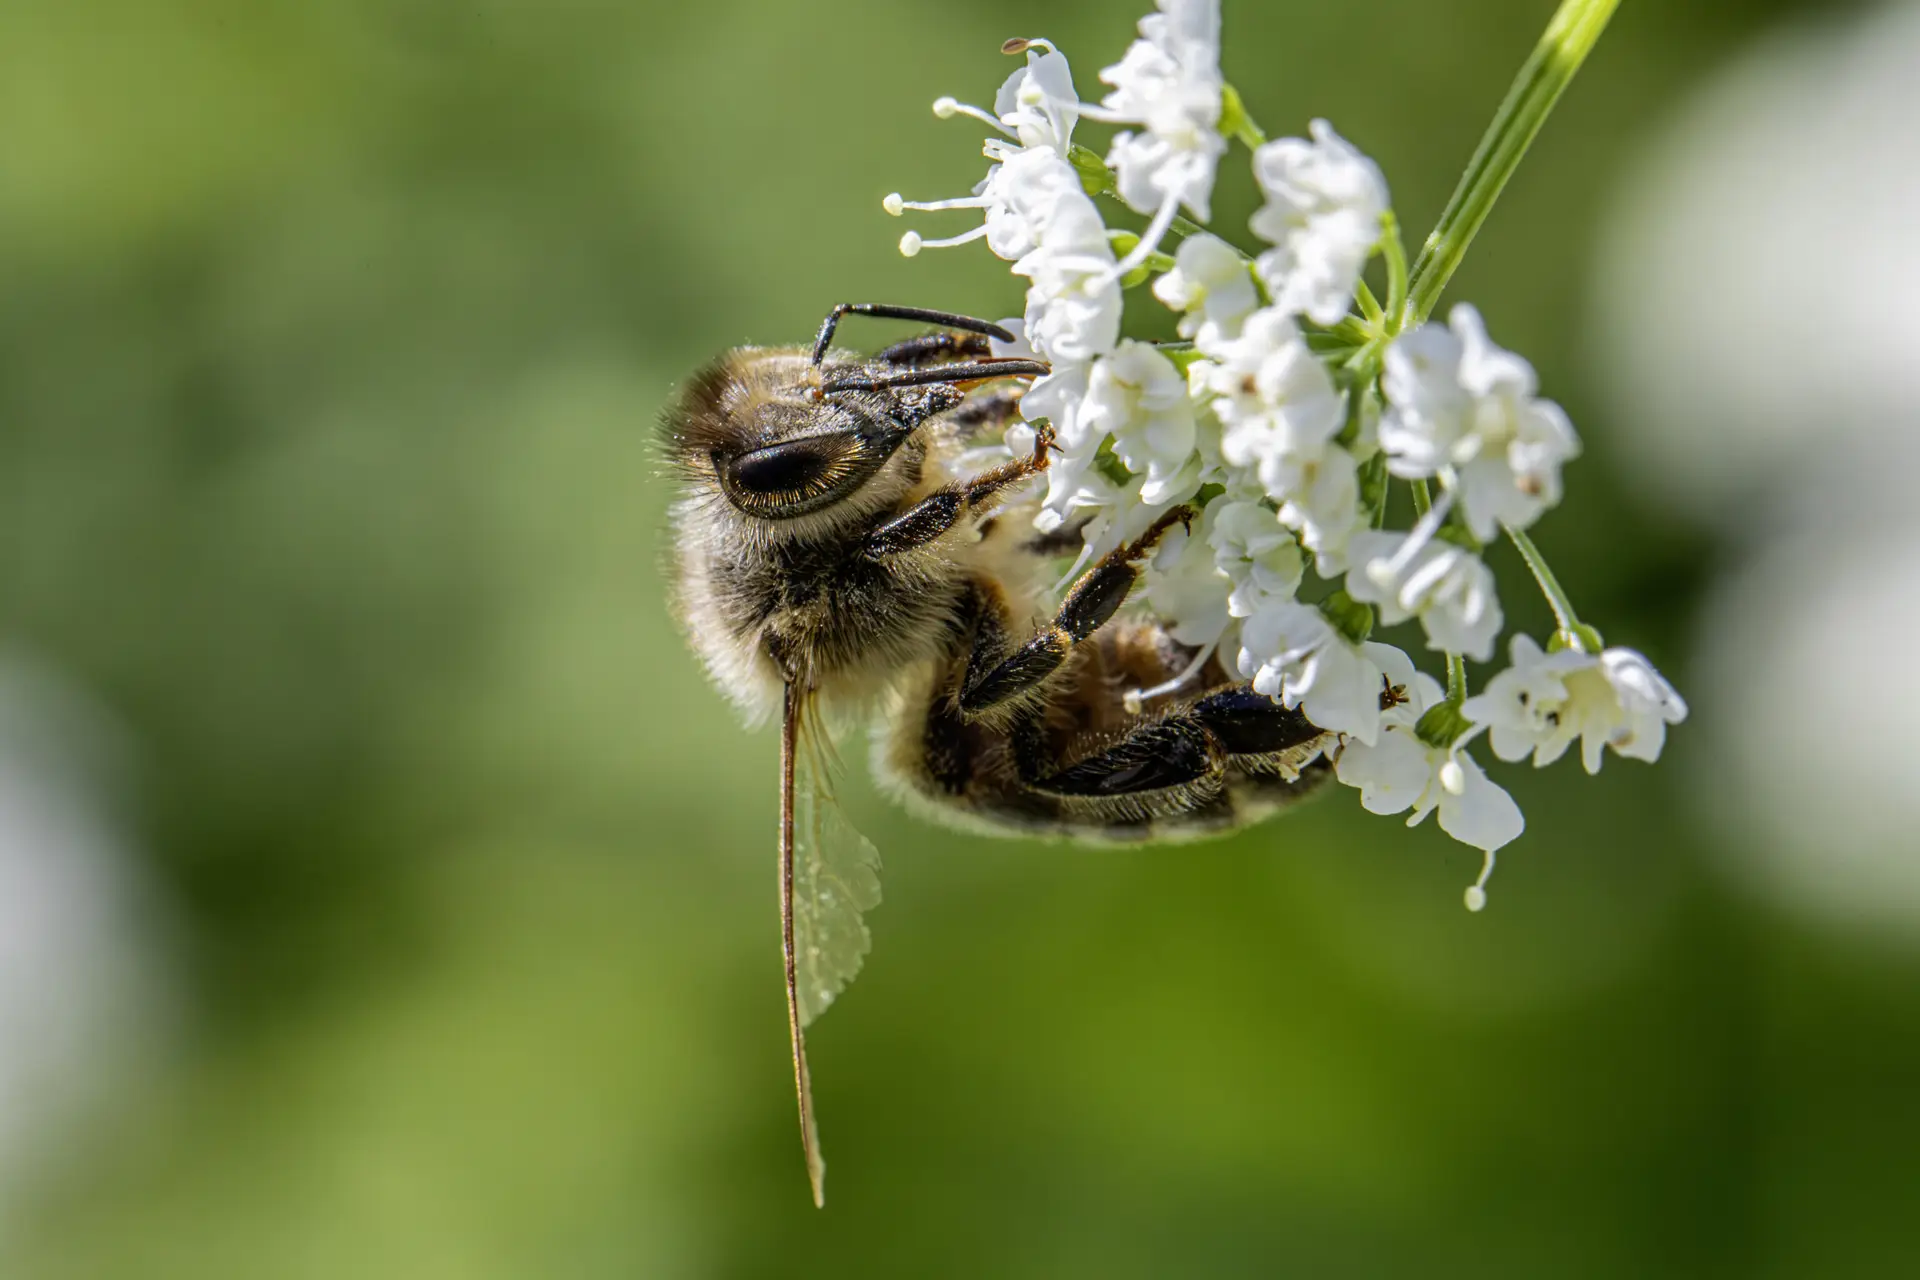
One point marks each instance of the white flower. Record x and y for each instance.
(1321, 503)
(1186, 587)
(1260, 558)
(1447, 587)
(1276, 402)
(1073, 302)
(1074, 485)
(1544, 701)
(1400, 771)
(1322, 216)
(1463, 409)
(1168, 81)
(1211, 284)
(1293, 653)
(1036, 108)
(1137, 396)
(1038, 103)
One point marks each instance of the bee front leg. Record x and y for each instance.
(938, 512)
(1094, 599)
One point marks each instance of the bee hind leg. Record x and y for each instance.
(1193, 745)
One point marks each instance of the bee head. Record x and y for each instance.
(759, 427)
(810, 459)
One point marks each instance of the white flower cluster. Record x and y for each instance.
(1285, 418)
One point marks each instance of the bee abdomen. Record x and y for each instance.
(1088, 767)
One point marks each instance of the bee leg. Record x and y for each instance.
(1092, 601)
(1192, 745)
(930, 348)
(986, 411)
(1067, 540)
(938, 512)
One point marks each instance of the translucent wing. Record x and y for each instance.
(829, 875)
(836, 878)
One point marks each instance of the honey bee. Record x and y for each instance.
(834, 556)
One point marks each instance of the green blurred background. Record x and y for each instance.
(331, 341)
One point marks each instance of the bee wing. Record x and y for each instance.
(829, 876)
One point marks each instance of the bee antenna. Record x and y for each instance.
(886, 311)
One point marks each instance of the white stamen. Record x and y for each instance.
(1086, 554)
(1149, 240)
(948, 108)
(893, 204)
(1386, 572)
(948, 243)
(1453, 779)
(938, 206)
(1477, 891)
(1135, 698)
(910, 244)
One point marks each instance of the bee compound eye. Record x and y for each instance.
(794, 477)
(796, 467)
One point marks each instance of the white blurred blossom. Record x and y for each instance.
(1321, 504)
(1544, 702)
(1324, 203)
(1465, 410)
(1211, 285)
(1169, 83)
(1447, 587)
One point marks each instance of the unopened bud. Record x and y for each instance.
(1095, 177)
(1348, 616)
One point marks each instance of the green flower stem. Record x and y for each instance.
(1563, 614)
(1422, 498)
(1235, 122)
(1456, 679)
(1370, 309)
(1568, 40)
(1397, 280)
(1188, 227)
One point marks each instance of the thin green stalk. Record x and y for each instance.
(1456, 678)
(1370, 310)
(1568, 40)
(1422, 498)
(1395, 250)
(1550, 587)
